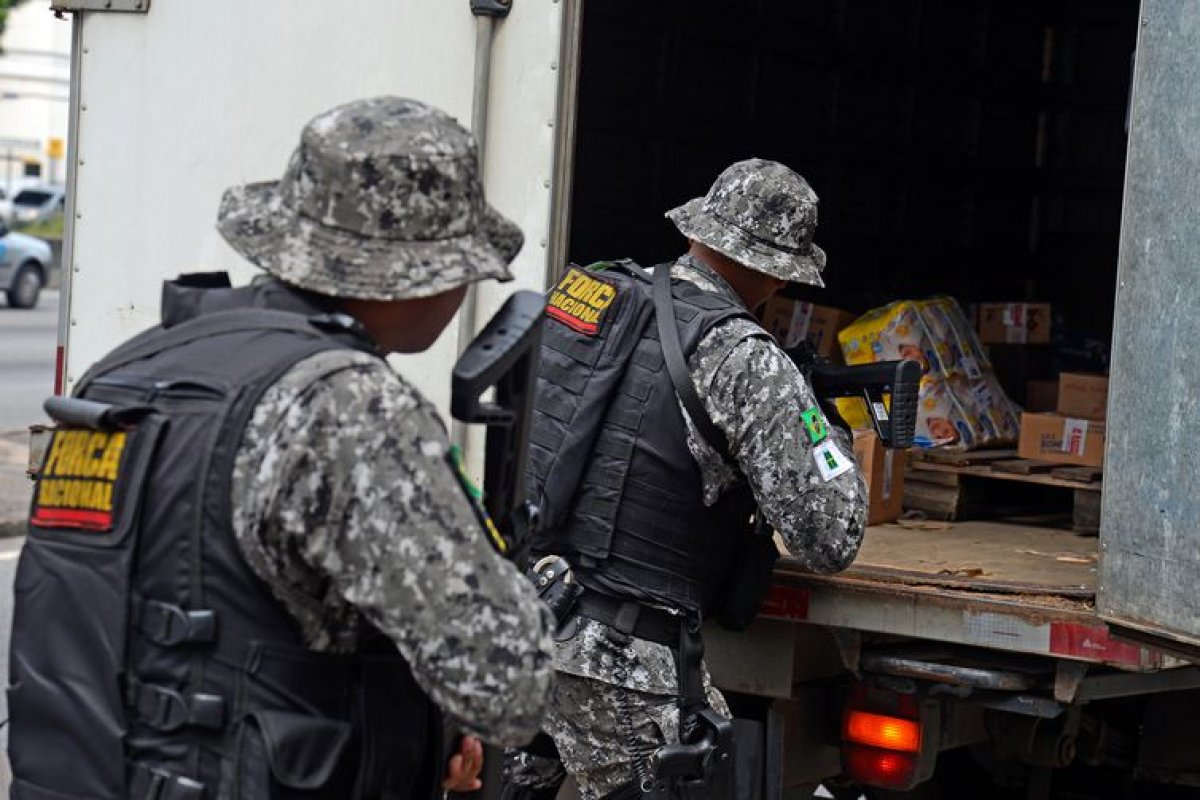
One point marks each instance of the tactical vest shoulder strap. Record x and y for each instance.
(236, 320)
(672, 349)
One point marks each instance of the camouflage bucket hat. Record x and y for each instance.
(763, 216)
(382, 200)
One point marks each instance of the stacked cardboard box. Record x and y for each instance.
(1083, 396)
(1017, 337)
(791, 321)
(883, 470)
(1074, 434)
(1014, 323)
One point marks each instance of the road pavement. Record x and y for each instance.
(27, 342)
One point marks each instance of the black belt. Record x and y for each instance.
(632, 618)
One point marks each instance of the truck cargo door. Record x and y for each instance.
(1150, 527)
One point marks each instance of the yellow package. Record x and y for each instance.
(960, 404)
(854, 412)
(886, 334)
(955, 353)
(998, 414)
(965, 360)
(942, 421)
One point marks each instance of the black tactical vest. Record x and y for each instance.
(620, 494)
(148, 662)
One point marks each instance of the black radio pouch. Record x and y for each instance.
(750, 579)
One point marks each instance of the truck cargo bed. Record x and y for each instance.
(1003, 586)
(984, 556)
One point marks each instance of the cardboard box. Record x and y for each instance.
(1084, 396)
(1041, 395)
(883, 470)
(1061, 440)
(1014, 323)
(790, 321)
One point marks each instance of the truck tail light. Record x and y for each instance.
(878, 730)
(883, 768)
(888, 738)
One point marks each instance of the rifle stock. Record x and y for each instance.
(504, 356)
(895, 422)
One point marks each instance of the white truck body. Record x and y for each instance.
(173, 104)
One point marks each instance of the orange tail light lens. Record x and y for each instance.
(880, 731)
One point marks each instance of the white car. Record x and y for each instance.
(37, 204)
(24, 263)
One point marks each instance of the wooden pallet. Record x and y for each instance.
(954, 485)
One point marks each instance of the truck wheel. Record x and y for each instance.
(26, 286)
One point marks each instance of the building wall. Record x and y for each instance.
(34, 86)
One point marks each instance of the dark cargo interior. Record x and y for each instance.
(966, 147)
(974, 148)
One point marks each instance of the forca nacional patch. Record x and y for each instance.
(77, 480)
(580, 301)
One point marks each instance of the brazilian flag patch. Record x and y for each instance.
(814, 424)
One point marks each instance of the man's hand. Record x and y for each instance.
(462, 771)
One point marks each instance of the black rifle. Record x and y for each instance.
(504, 355)
(896, 423)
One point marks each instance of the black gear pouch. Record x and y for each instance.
(286, 755)
(750, 580)
(556, 586)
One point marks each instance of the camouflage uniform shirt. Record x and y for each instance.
(614, 704)
(755, 395)
(345, 504)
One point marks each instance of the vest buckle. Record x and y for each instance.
(169, 625)
(152, 783)
(168, 710)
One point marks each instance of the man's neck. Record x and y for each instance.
(722, 268)
(706, 277)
